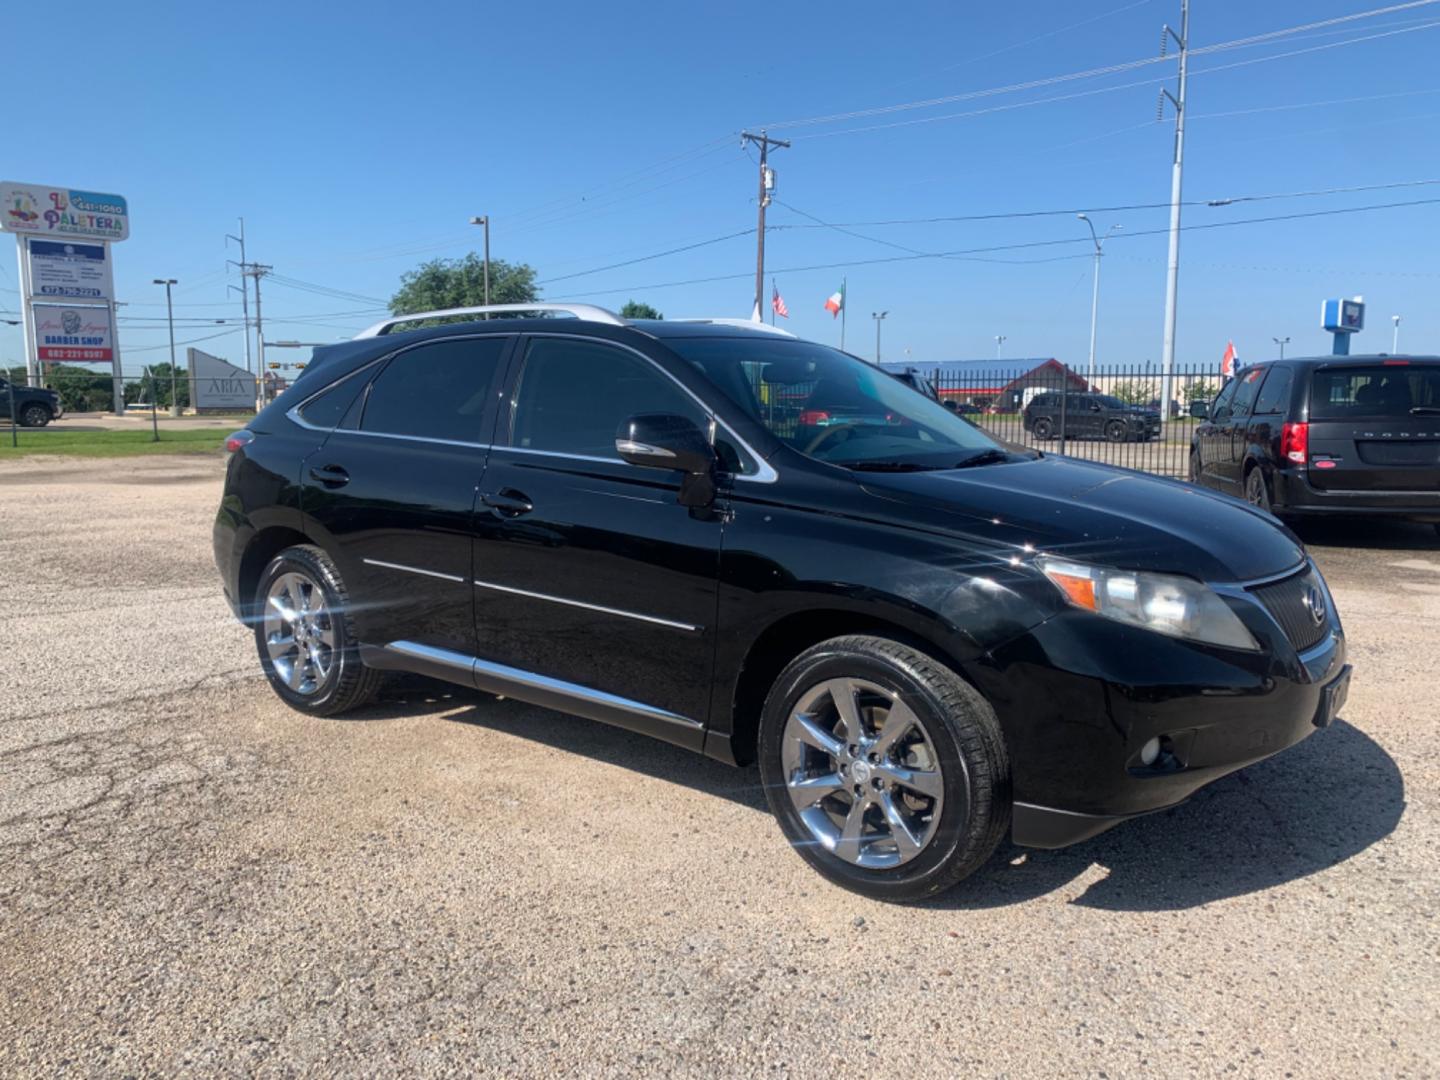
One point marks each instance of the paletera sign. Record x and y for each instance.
(56, 211)
(77, 335)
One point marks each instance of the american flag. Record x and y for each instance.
(777, 301)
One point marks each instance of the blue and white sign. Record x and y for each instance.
(62, 270)
(1343, 316)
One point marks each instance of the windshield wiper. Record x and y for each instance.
(888, 466)
(984, 457)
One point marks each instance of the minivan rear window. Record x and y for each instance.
(1374, 390)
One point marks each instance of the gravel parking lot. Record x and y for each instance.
(195, 879)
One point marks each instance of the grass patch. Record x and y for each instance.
(106, 444)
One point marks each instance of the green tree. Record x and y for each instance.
(452, 283)
(81, 389)
(1134, 392)
(638, 309)
(1201, 391)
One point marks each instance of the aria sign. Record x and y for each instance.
(62, 212)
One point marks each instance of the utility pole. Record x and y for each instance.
(257, 271)
(1172, 280)
(486, 222)
(1282, 342)
(767, 187)
(1000, 340)
(1099, 242)
(244, 290)
(1395, 337)
(879, 317)
(170, 313)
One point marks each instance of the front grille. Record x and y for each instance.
(1290, 603)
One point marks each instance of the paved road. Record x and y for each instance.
(194, 879)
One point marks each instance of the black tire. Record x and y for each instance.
(1257, 494)
(970, 752)
(348, 683)
(1115, 431)
(1043, 428)
(34, 415)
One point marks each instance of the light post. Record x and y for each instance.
(879, 317)
(485, 221)
(1099, 242)
(1395, 336)
(1000, 340)
(170, 313)
(1282, 342)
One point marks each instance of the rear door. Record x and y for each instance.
(1272, 408)
(1375, 426)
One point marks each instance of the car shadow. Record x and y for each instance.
(1366, 532)
(1304, 810)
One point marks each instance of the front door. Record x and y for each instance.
(1214, 437)
(590, 578)
(391, 492)
(1231, 465)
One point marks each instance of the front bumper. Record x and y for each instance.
(1294, 494)
(1079, 696)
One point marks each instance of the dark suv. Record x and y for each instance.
(926, 640)
(1088, 416)
(1326, 435)
(34, 406)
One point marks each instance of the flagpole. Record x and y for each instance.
(844, 304)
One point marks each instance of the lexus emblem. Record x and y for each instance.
(1315, 601)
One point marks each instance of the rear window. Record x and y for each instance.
(1275, 395)
(1390, 390)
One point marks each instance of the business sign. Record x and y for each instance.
(62, 212)
(1343, 316)
(62, 270)
(74, 335)
(218, 384)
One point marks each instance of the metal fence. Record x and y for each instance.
(1113, 415)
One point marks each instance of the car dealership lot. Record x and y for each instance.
(194, 877)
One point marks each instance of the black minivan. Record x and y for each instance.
(1353, 435)
(765, 550)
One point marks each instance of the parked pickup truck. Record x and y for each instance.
(34, 405)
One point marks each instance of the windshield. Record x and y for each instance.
(1391, 391)
(1111, 402)
(832, 406)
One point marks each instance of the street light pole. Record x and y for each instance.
(485, 221)
(1099, 242)
(1395, 337)
(170, 314)
(1282, 342)
(1000, 340)
(879, 317)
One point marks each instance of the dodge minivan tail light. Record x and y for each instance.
(1295, 442)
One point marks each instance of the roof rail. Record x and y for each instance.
(748, 324)
(588, 312)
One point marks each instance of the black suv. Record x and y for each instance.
(1326, 435)
(34, 406)
(927, 641)
(1088, 416)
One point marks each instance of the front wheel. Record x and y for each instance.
(1115, 431)
(305, 635)
(1043, 429)
(34, 416)
(886, 771)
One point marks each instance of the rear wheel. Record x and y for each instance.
(305, 636)
(34, 416)
(1043, 429)
(1115, 431)
(886, 771)
(1256, 493)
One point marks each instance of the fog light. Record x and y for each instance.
(1150, 751)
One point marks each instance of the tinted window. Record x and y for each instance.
(1248, 388)
(1221, 408)
(435, 391)
(1275, 394)
(1390, 391)
(328, 408)
(573, 395)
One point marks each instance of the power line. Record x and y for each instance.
(192, 341)
(648, 258)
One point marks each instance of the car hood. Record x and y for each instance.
(1096, 513)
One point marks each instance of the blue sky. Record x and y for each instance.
(357, 145)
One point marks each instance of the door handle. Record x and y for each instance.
(332, 476)
(507, 502)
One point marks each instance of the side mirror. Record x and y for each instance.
(1200, 410)
(668, 441)
(1094, 406)
(951, 404)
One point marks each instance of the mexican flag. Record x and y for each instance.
(836, 302)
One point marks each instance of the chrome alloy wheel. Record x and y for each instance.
(299, 633)
(862, 772)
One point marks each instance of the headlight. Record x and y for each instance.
(1165, 603)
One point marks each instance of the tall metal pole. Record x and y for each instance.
(1099, 242)
(170, 315)
(485, 221)
(1000, 340)
(1395, 337)
(1282, 342)
(879, 317)
(1172, 280)
(244, 291)
(844, 305)
(767, 184)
